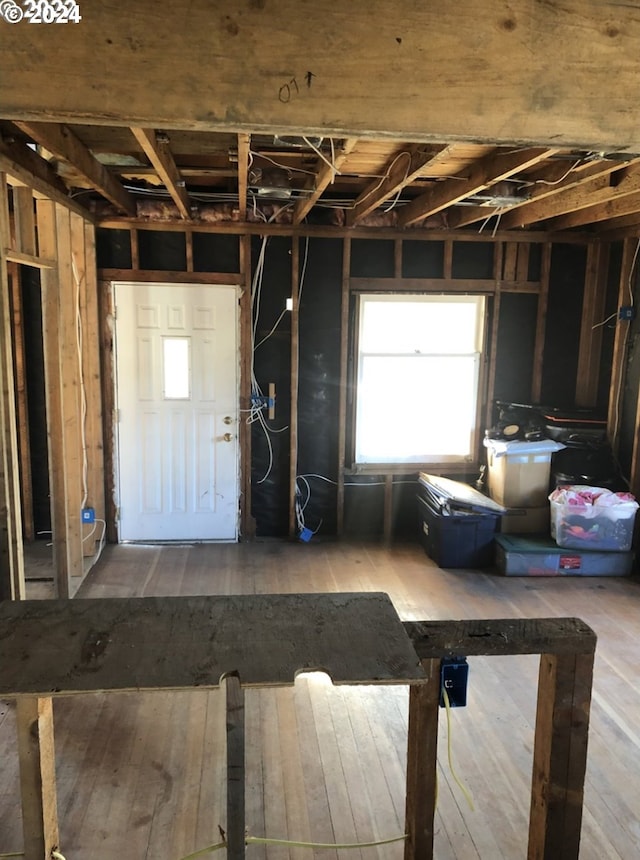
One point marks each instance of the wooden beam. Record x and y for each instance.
(25, 167)
(541, 324)
(247, 521)
(157, 148)
(12, 585)
(316, 185)
(560, 755)
(25, 223)
(244, 145)
(403, 169)
(422, 764)
(618, 203)
(37, 776)
(235, 768)
(29, 260)
(64, 144)
(485, 173)
(295, 370)
(585, 195)
(346, 71)
(553, 178)
(620, 344)
(345, 299)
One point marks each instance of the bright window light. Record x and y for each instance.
(418, 378)
(176, 368)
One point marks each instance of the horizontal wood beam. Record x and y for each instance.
(151, 275)
(436, 285)
(619, 202)
(64, 144)
(158, 150)
(429, 72)
(493, 637)
(29, 260)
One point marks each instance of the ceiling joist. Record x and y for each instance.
(63, 143)
(157, 149)
(317, 185)
(483, 175)
(244, 147)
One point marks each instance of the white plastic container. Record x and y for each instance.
(595, 518)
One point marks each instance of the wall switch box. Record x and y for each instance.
(454, 673)
(627, 313)
(88, 515)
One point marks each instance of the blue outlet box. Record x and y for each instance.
(454, 673)
(88, 515)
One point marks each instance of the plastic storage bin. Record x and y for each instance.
(519, 472)
(592, 518)
(456, 523)
(540, 556)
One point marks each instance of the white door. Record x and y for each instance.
(177, 397)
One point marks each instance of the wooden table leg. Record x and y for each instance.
(560, 756)
(37, 776)
(422, 751)
(235, 769)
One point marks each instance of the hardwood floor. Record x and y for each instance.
(142, 775)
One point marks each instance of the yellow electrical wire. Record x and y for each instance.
(264, 841)
(461, 785)
(12, 854)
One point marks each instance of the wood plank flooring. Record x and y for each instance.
(141, 776)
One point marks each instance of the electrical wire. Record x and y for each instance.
(621, 375)
(461, 785)
(83, 393)
(320, 154)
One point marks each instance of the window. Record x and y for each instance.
(176, 368)
(418, 377)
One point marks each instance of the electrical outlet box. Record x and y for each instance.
(305, 534)
(259, 400)
(454, 674)
(88, 515)
(628, 312)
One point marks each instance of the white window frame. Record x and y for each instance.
(405, 355)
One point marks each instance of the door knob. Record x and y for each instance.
(228, 437)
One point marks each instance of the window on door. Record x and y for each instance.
(418, 378)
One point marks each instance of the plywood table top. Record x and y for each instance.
(57, 647)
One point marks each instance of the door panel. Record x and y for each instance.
(177, 395)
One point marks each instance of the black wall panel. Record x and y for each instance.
(216, 252)
(162, 250)
(272, 363)
(562, 334)
(422, 259)
(472, 260)
(113, 249)
(319, 377)
(516, 340)
(372, 258)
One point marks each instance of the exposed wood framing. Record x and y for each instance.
(37, 776)
(22, 410)
(485, 173)
(422, 761)
(295, 368)
(244, 145)
(156, 147)
(541, 323)
(317, 184)
(29, 260)
(570, 103)
(590, 350)
(25, 222)
(441, 285)
(405, 167)
(63, 143)
(11, 549)
(344, 360)
(620, 344)
(109, 421)
(236, 822)
(153, 275)
(247, 522)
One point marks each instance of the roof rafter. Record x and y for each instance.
(324, 177)
(24, 166)
(485, 173)
(63, 143)
(618, 204)
(157, 148)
